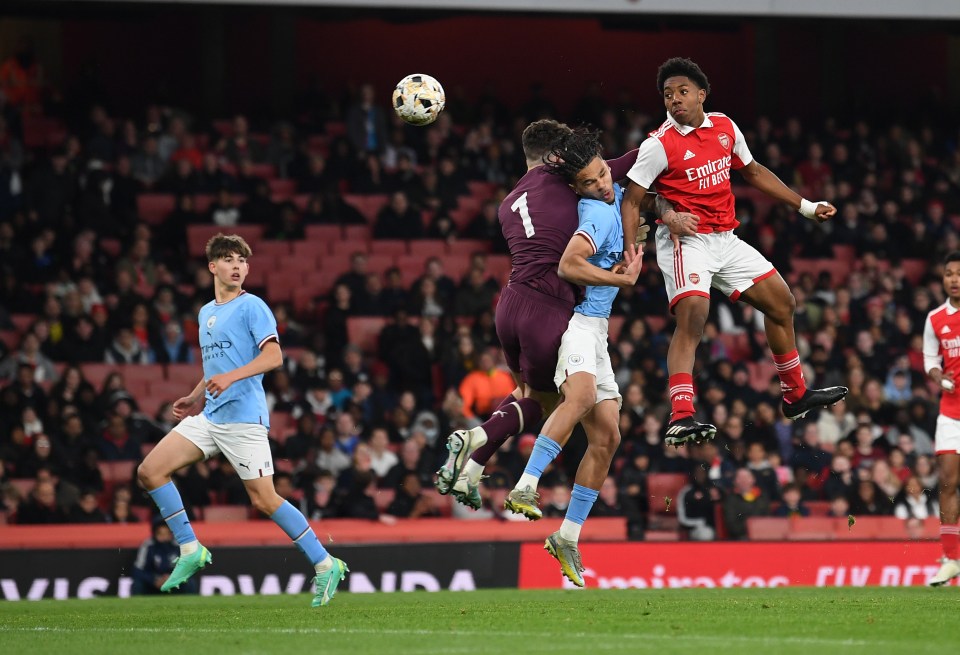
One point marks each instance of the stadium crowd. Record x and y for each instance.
(100, 285)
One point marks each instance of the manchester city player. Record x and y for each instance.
(583, 375)
(238, 339)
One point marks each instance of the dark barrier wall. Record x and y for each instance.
(36, 574)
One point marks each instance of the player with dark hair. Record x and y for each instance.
(538, 217)
(582, 370)
(239, 342)
(689, 158)
(941, 359)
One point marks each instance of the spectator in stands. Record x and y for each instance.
(155, 560)
(239, 144)
(398, 220)
(868, 500)
(225, 211)
(759, 464)
(808, 454)
(320, 497)
(329, 456)
(483, 388)
(29, 355)
(126, 349)
(86, 509)
(866, 449)
(41, 457)
(288, 228)
(474, 295)
(282, 149)
(841, 479)
(259, 209)
(41, 506)
(411, 461)
(116, 443)
(382, 459)
(410, 502)
(213, 178)
(29, 394)
(316, 180)
(173, 348)
(356, 278)
(366, 123)
(695, 505)
(394, 295)
(915, 502)
(146, 165)
(745, 500)
(792, 503)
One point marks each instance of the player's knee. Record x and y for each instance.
(607, 442)
(147, 476)
(266, 504)
(785, 309)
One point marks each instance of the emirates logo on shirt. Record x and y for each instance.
(724, 140)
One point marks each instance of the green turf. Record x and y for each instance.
(776, 621)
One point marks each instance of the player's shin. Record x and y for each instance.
(168, 501)
(545, 450)
(581, 502)
(511, 418)
(292, 522)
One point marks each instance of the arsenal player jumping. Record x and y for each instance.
(689, 158)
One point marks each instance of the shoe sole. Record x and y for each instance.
(447, 476)
(697, 437)
(463, 500)
(550, 548)
(802, 414)
(531, 513)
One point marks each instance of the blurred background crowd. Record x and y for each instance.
(392, 344)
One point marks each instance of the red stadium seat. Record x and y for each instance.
(380, 263)
(332, 234)
(383, 497)
(220, 513)
(23, 322)
(185, 374)
(368, 206)
(499, 266)
(266, 171)
(280, 287)
(10, 338)
(614, 325)
(119, 472)
(364, 331)
(393, 247)
(482, 190)
(425, 248)
(765, 528)
(154, 207)
(914, 269)
(274, 248)
(660, 487)
(466, 247)
(305, 261)
(656, 324)
(813, 528)
(333, 129)
(356, 237)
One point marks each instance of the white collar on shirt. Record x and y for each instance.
(950, 308)
(687, 129)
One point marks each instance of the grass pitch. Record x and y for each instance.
(793, 620)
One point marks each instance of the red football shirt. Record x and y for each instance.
(691, 168)
(941, 349)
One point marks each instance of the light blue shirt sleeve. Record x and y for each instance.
(595, 223)
(261, 322)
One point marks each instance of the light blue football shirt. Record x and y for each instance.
(230, 337)
(600, 222)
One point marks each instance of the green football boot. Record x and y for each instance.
(328, 581)
(187, 566)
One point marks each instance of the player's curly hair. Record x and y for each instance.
(952, 257)
(224, 245)
(681, 67)
(541, 136)
(573, 153)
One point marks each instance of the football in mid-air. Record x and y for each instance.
(418, 99)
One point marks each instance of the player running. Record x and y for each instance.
(582, 371)
(689, 158)
(238, 338)
(538, 218)
(941, 359)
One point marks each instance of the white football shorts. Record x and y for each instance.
(583, 349)
(947, 438)
(245, 445)
(719, 259)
